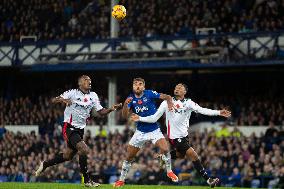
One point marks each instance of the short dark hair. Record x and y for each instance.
(81, 77)
(139, 79)
(185, 86)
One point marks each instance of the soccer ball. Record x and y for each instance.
(118, 12)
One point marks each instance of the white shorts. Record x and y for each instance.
(139, 138)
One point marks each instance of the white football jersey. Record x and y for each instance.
(177, 121)
(82, 103)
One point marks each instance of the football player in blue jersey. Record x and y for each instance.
(142, 103)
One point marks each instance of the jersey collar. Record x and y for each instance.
(83, 91)
(182, 100)
(140, 96)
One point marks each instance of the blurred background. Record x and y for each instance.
(229, 52)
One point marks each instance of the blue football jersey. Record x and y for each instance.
(145, 106)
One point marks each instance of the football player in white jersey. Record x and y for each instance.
(177, 123)
(79, 104)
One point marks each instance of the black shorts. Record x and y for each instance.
(72, 135)
(181, 145)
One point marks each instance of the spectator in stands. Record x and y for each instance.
(223, 132)
(2, 130)
(235, 178)
(58, 20)
(228, 159)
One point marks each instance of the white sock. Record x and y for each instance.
(125, 169)
(167, 159)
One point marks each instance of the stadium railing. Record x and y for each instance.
(237, 49)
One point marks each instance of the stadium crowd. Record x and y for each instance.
(81, 19)
(237, 160)
(40, 111)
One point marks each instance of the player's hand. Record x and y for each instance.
(171, 105)
(116, 106)
(67, 102)
(128, 100)
(225, 113)
(134, 117)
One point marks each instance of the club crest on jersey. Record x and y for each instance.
(140, 109)
(145, 99)
(85, 100)
(140, 102)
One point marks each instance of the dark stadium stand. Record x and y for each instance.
(81, 19)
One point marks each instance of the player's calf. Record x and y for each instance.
(59, 158)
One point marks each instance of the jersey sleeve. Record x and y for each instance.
(154, 118)
(97, 104)
(153, 94)
(68, 94)
(198, 109)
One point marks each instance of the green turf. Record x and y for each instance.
(78, 186)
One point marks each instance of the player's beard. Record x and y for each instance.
(138, 93)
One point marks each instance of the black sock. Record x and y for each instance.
(173, 154)
(56, 160)
(84, 167)
(198, 166)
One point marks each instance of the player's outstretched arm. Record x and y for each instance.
(169, 100)
(126, 108)
(64, 98)
(225, 113)
(106, 111)
(60, 99)
(152, 118)
(206, 111)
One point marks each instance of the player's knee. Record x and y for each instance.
(68, 156)
(164, 150)
(130, 158)
(190, 153)
(84, 151)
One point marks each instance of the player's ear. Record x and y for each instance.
(79, 82)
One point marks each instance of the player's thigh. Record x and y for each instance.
(159, 140)
(73, 137)
(138, 139)
(69, 153)
(82, 148)
(182, 146)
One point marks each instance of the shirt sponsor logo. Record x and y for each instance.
(140, 109)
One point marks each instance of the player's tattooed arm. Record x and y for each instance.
(126, 109)
(106, 111)
(169, 100)
(60, 99)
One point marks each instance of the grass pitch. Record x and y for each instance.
(104, 186)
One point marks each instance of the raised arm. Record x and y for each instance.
(63, 98)
(152, 118)
(126, 107)
(169, 100)
(60, 99)
(206, 111)
(106, 111)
